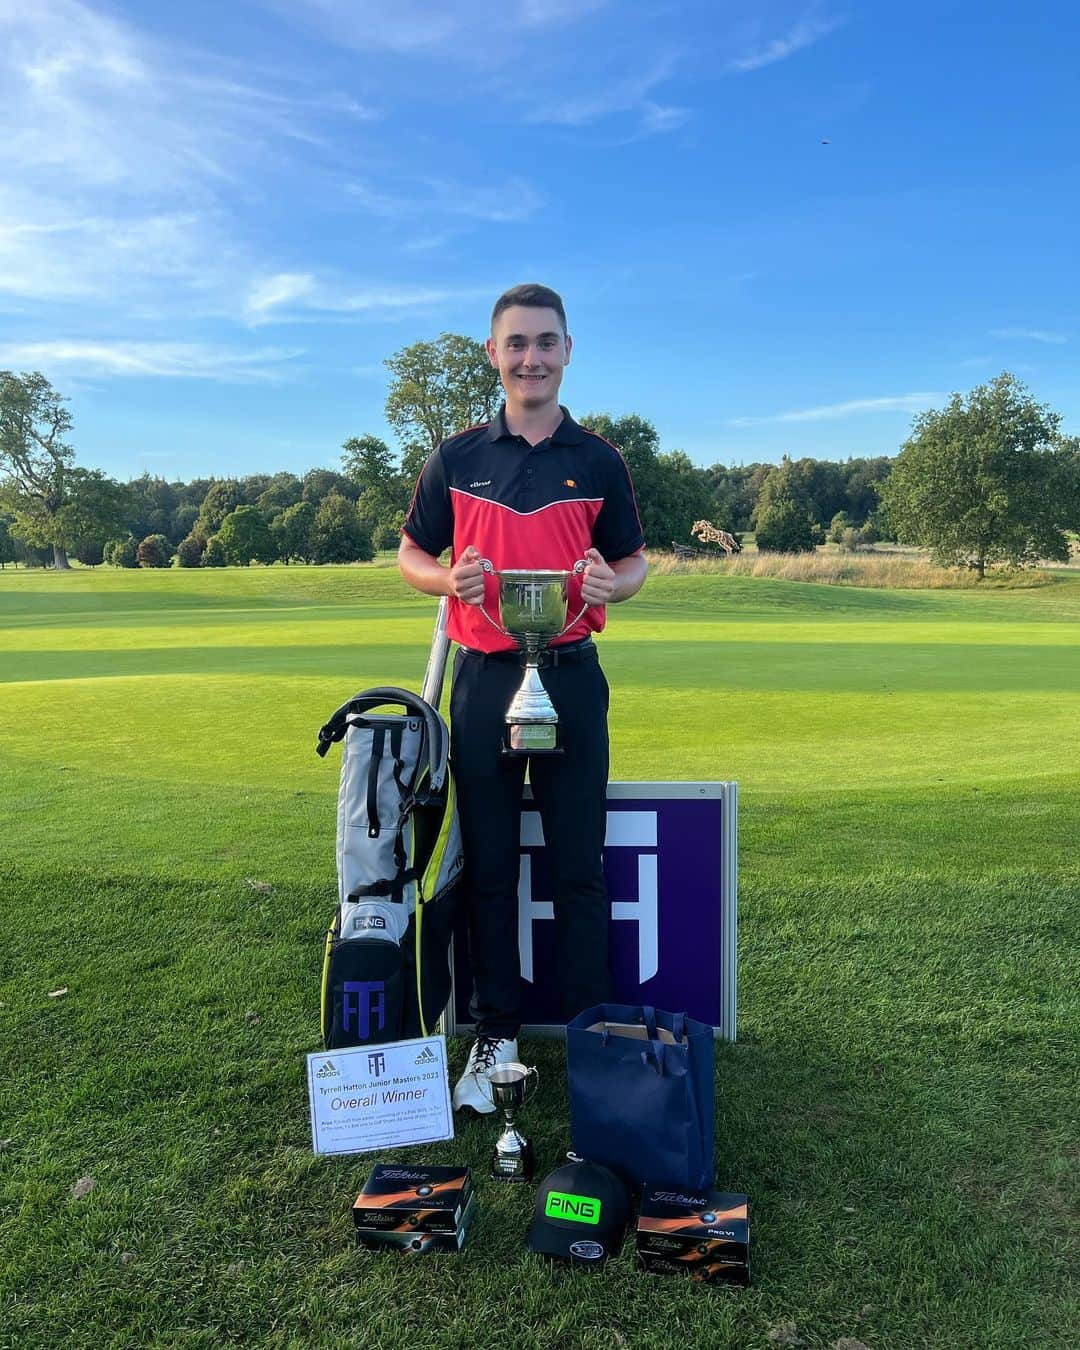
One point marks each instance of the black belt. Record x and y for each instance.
(550, 656)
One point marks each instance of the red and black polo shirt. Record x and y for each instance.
(527, 506)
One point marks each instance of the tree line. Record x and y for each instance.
(988, 479)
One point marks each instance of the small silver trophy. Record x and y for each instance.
(532, 607)
(508, 1088)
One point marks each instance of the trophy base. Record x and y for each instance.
(513, 1167)
(532, 738)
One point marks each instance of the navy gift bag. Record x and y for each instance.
(641, 1093)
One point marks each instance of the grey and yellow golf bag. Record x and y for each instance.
(386, 973)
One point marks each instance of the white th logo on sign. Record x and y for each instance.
(625, 829)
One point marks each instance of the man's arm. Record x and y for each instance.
(607, 583)
(464, 581)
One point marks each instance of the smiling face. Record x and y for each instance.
(530, 350)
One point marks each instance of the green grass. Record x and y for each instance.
(900, 1106)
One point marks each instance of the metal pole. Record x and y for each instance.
(436, 666)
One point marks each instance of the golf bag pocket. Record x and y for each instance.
(363, 984)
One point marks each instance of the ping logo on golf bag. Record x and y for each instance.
(580, 1208)
(360, 1000)
(364, 923)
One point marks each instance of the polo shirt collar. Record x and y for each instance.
(568, 432)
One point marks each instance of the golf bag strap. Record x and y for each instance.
(394, 887)
(378, 737)
(370, 699)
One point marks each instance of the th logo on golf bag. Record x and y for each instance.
(386, 973)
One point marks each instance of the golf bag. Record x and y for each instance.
(386, 973)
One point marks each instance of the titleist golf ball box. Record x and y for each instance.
(409, 1241)
(704, 1234)
(413, 1199)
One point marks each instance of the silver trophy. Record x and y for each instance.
(508, 1088)
(532, 607)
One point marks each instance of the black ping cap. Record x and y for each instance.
(581, 1214)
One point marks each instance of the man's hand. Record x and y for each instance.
(467, 578)
(598, 579)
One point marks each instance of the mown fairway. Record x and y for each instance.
(900, 1106)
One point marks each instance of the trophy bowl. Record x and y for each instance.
(508, 1089)
(532, 611)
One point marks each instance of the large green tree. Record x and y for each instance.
(671, 492)
(319, 483)
(8, 551)
(439, 388)
(291, 532)
(385, 491)
(282, 491)
(52, 502)
(784, 520)
(245, 537)
(222, 498)
(985, 480)
(337, 535)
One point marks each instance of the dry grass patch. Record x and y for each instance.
(887, 571)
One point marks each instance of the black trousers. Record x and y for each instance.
(570, 791)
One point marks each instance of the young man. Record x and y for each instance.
(531, 489)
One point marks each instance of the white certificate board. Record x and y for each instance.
(379, 1096)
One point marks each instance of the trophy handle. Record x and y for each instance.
(530, 1092)
(575, 571)
(489, 567)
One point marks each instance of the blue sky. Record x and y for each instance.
(217, 220)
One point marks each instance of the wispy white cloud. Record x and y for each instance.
(175, 360)
(447, 30)
(284, 287)
(605, 96)
(438, 198)
(804, 34)
(657, 118)
(51, 251)
(1029, 335)
(294, 297)
(853, 408)
(120, 160)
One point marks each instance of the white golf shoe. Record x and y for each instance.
(472, 1094)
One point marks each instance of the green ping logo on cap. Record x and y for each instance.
(580, 1208)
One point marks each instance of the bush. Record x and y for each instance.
(189, 551)
(787, 527)
(154, 551)
(214, 554)
(122, 552)
(850, 539)
(839, 523)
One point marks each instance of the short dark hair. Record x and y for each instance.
(533, 295)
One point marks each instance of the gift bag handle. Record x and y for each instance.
(648, 1016)
(653, 1058)
(678, 1026)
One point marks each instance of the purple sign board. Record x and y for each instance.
(670, 858)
